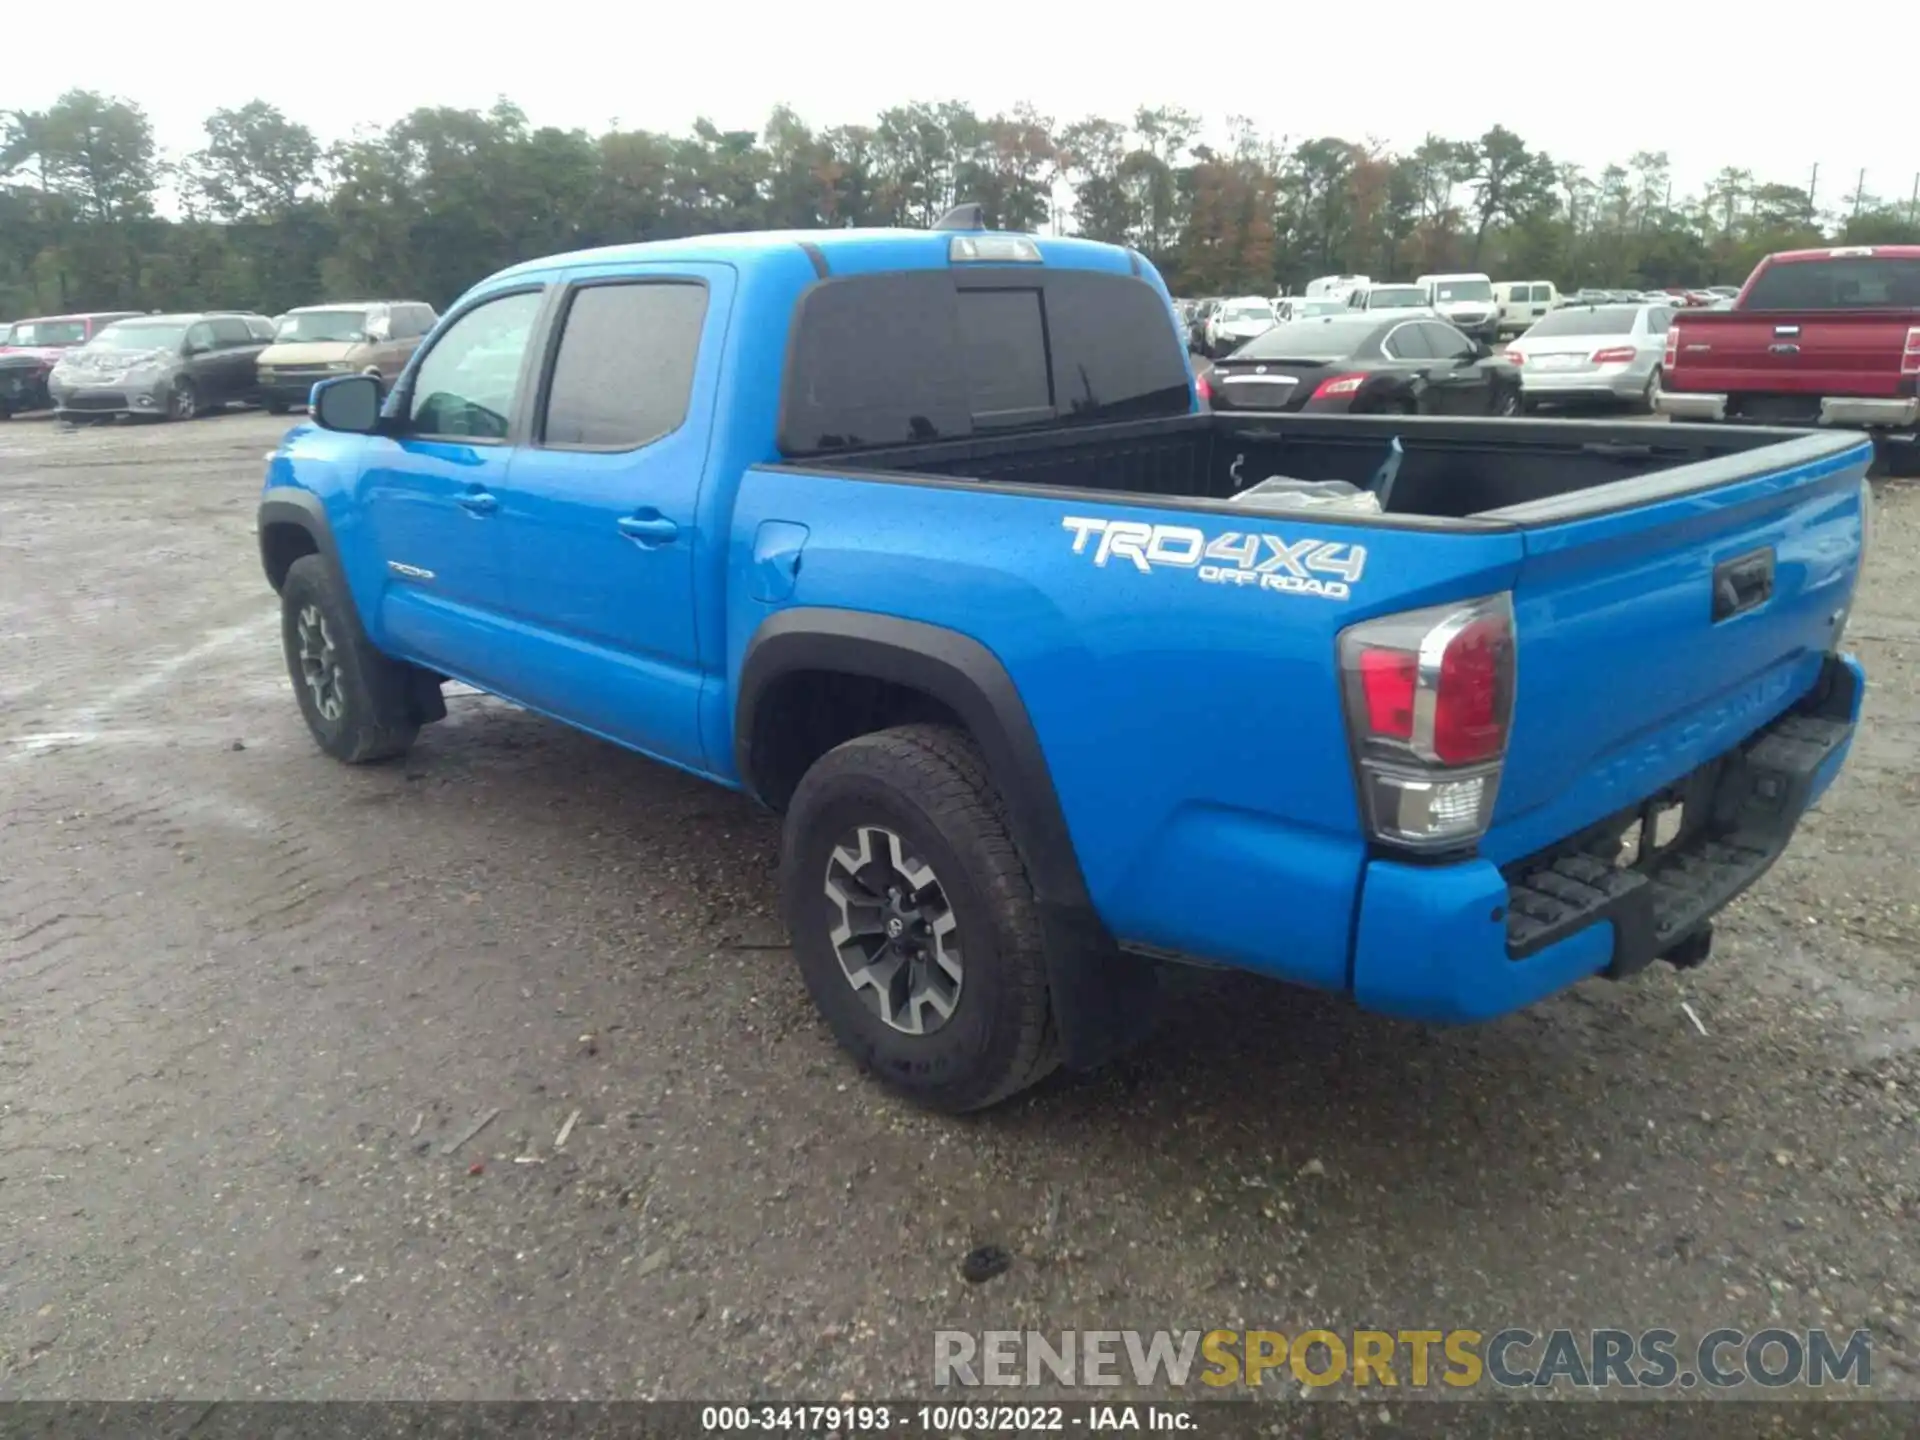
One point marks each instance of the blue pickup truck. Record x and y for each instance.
(925, 540)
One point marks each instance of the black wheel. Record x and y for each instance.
(913, 919)
(275, 407)
(1507, 402)
(183, 403)
(1650, 400)
(360, 704)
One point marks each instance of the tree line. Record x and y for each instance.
(264, 216)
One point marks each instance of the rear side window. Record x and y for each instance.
(934, 355)
(1446, 342)
(1409, 342)
(1658, 320)
(1847, 282)
(624, 371)
(231, 330)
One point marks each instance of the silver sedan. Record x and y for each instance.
(1594, 352)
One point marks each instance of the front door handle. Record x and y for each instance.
(479, 502)
(649, 527)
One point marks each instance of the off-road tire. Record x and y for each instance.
(380, 713)
(930, 785)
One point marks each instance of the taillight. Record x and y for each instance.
(1206, 390)
(1516, 357)
(1673, 346)
(1429, 700)
(1618, 355)
(1339, 385)
(1910, 353)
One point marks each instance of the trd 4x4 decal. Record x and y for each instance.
(1328, 568)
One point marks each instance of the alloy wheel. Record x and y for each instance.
(320, 663)
(894, 930)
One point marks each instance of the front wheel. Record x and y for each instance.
(913, 920)
(358, 703)
(184, 401)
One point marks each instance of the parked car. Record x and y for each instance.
(29, 348)
(1522, 302)
(1019, 705)
(1398, 365)
(1197, 323)
(1375, 299)
(1308, 307)
(1466, 302)
(1335, 286)
(1816, 337)
(1237, 321)
(317, 342)
(168, 367)
(1594, 352)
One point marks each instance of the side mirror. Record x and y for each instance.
(347, 403)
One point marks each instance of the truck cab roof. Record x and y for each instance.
(833, 252)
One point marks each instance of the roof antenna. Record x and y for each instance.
(970, 216)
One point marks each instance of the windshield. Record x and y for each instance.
(135, 335)
(46, 332)
(1615, 320)
(1395, 297)
(1848, 282)
(322, 326)
(1246, 310)
(1309, 340)
(1448, 290)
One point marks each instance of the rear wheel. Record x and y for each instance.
(1650, 399)
(275, 407)
(913, 920)
(1507, 402)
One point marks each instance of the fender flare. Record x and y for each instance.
(1102, 995)
(954, 669)
(290, 505)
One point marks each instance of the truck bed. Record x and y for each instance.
(1463, 471)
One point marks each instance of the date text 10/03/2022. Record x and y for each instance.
(853, 1419)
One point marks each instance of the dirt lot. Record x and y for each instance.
(251, 996)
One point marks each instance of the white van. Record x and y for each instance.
(1465, 301)
(1524, 301)
(1336, 285)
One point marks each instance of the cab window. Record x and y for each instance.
(466, 386)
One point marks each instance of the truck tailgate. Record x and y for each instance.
(1835, 352)
(1660, 621)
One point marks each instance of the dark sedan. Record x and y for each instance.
(1363, 366)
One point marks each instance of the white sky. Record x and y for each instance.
(1710, 82)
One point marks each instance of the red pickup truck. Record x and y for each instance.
(1816, 337)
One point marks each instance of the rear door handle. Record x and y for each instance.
(479, 502)
(649, 527)
(1743, 583)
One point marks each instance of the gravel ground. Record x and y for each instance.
(254, 1000)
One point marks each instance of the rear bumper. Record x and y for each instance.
(1843, 410)
(1466, 942)
(1621, 384)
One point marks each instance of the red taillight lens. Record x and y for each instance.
(1339, 385)
(1205, 390)
(1472, 698)
(1429, 699)
(1673, 346)
(1388, 679)
(1516, 357)
(1910, 353)
(1618, 355)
